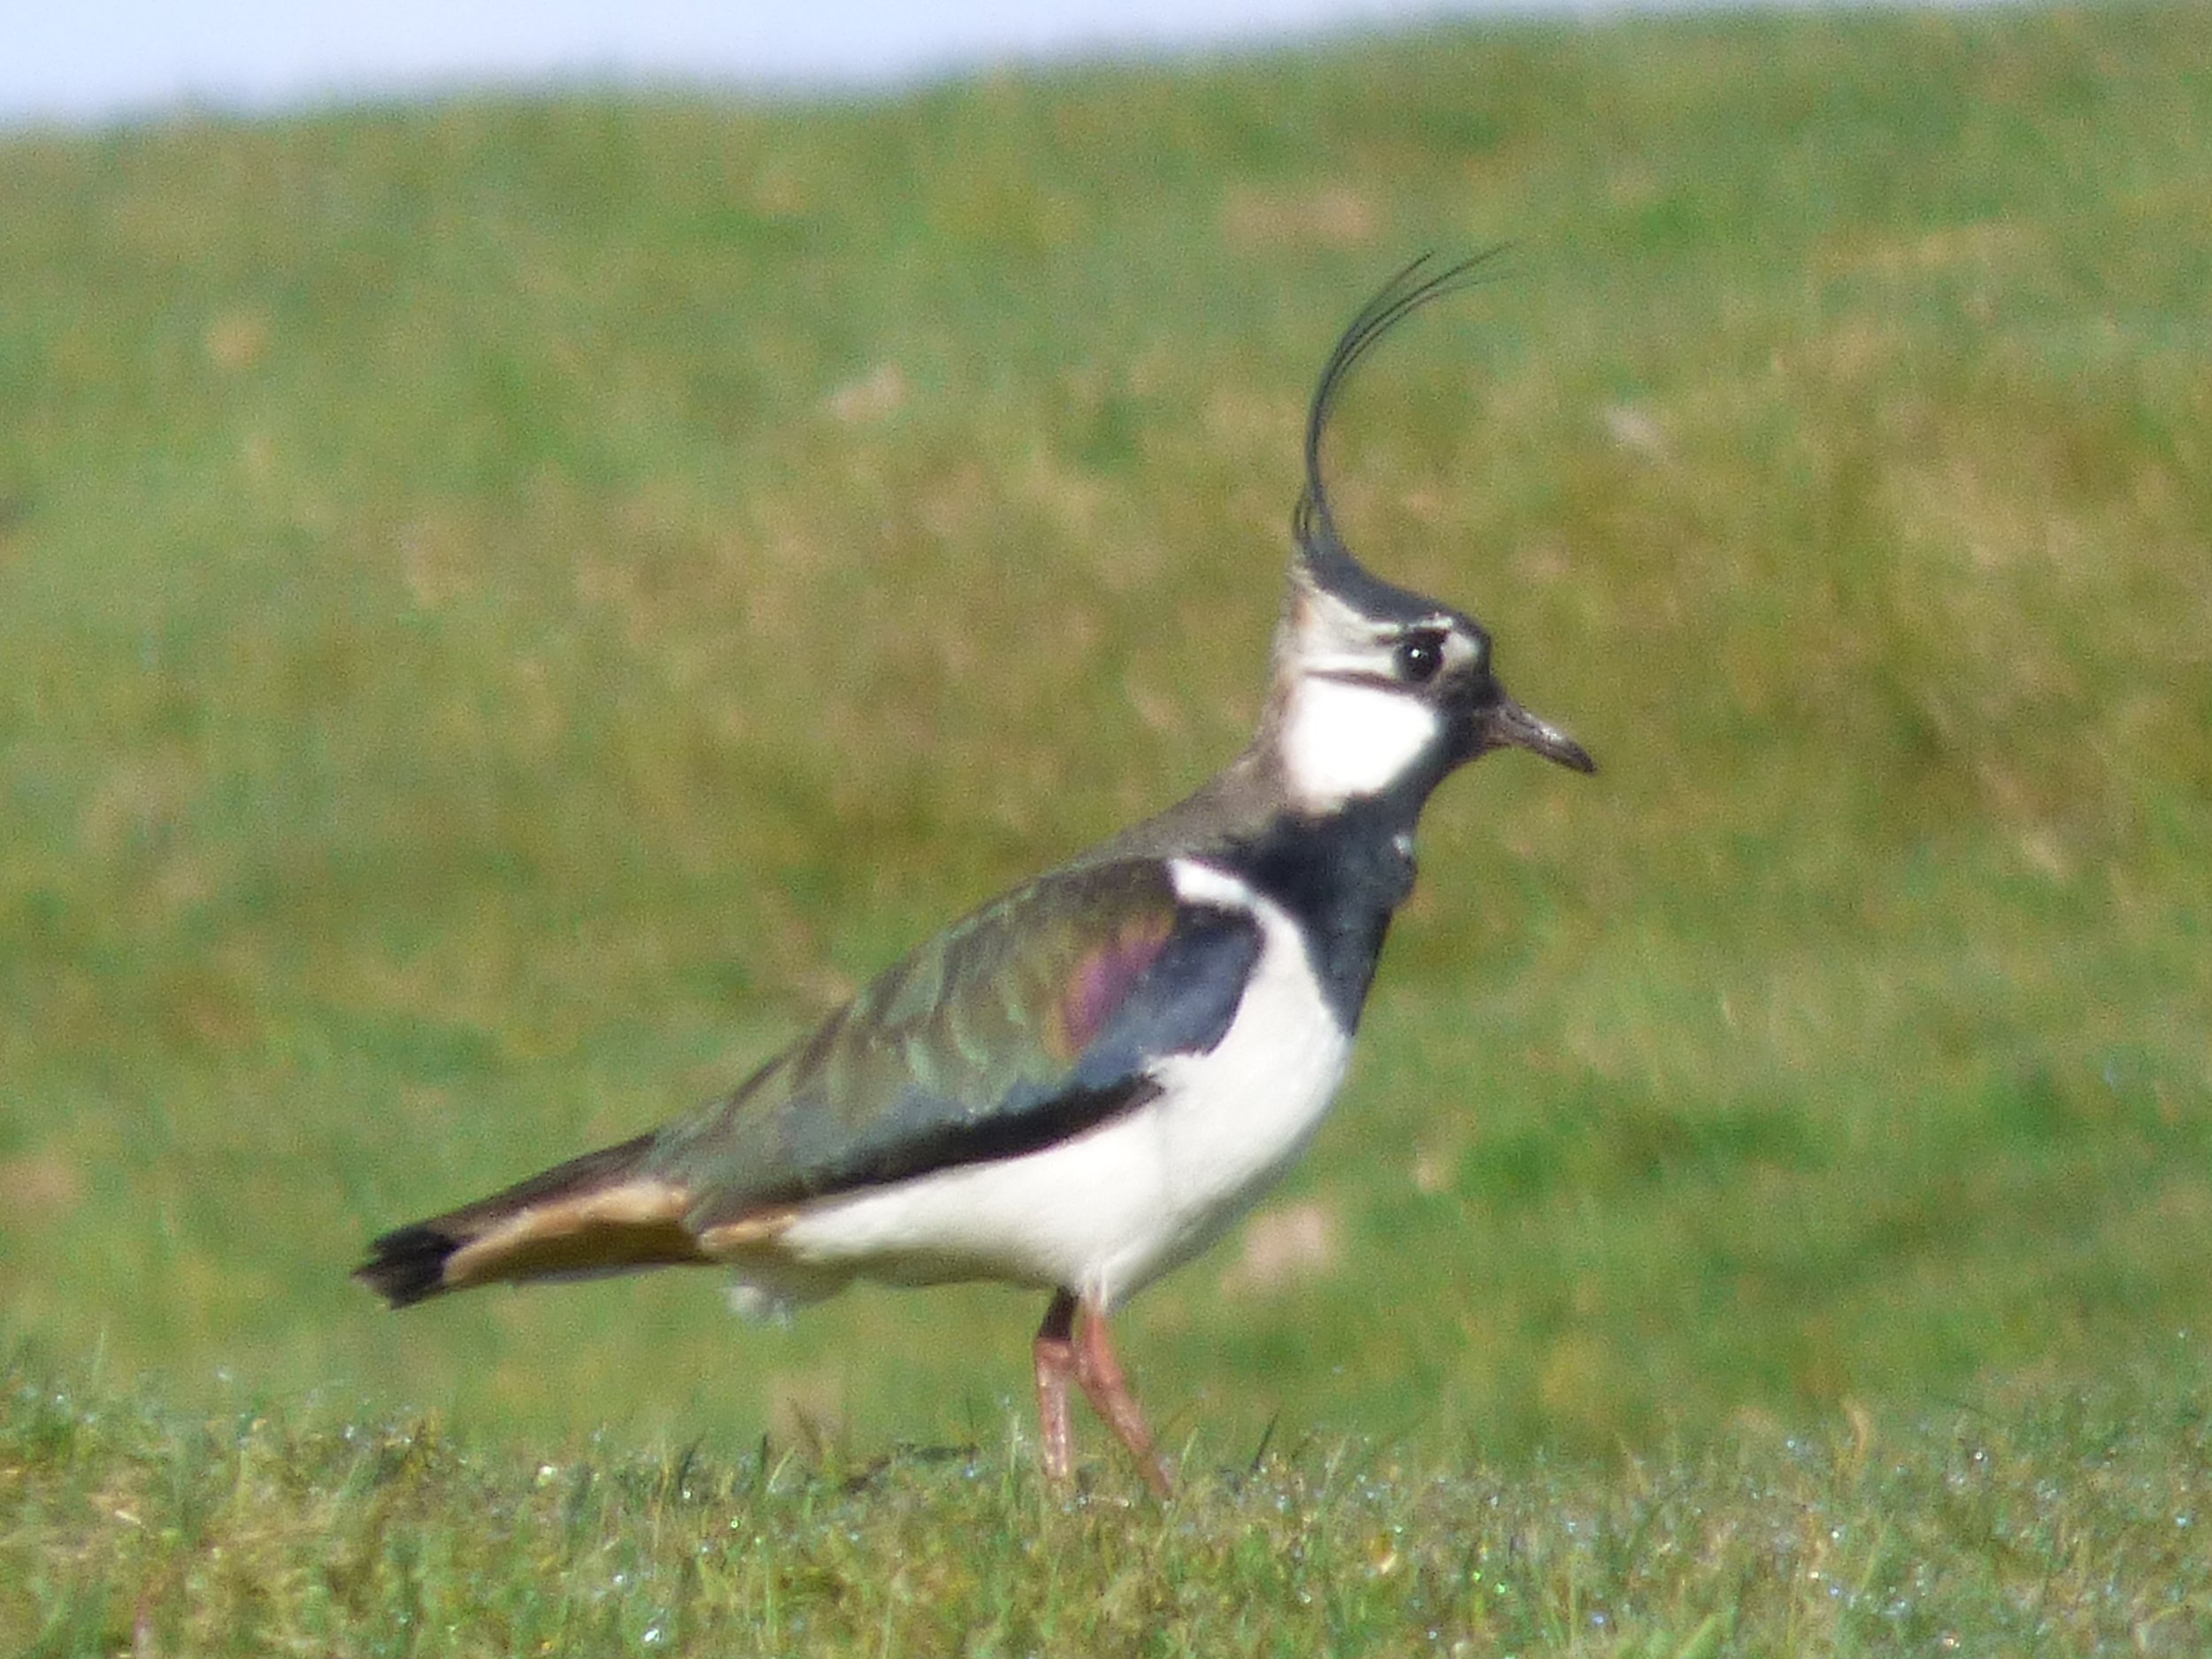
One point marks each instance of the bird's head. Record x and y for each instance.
(1379, 689)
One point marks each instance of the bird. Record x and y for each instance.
(1087, 1080)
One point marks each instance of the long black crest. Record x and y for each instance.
(1407, 292)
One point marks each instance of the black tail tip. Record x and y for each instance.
(408, 1265)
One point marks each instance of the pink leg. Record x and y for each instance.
(1101, 1376)
(1056, 1363)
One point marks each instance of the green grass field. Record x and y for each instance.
(509, 608)
(2046, 1526)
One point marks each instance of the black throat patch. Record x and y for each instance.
(1341, 877)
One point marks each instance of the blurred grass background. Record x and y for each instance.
(510, 607)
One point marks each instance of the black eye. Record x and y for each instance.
(1420, 655)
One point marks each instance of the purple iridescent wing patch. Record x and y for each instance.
(1102, 979)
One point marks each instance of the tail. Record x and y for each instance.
(598, 1214)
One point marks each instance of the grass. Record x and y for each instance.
(2055, 1525)
(510, 607)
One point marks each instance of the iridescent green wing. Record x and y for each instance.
(1031, 1021)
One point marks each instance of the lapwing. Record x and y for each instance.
(1085, 1082)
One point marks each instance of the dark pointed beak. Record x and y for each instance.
(1505, 723)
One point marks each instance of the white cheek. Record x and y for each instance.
(1343, 741)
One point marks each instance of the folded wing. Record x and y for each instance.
(1032, 1020)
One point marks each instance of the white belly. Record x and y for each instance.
(1107, 1212)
